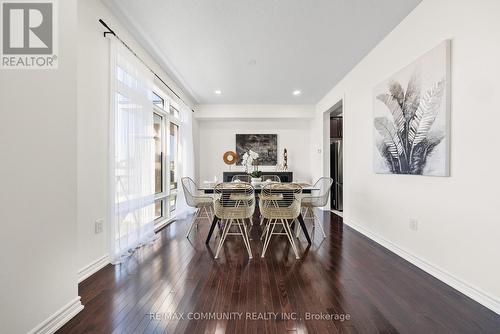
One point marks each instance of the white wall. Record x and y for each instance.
(93, 109)
(38, 187)
(217, 135)
(458, 216)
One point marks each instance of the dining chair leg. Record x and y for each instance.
(305, 217)
(199, 214)
(319, 224)
(247, 232)
(250, 228)
(202, 209)
(238, 224)
(218, 232)
(223, 237)
(195, 217)
(268, 236)
(261, 219)
(206, 211)
(289, 235)
(266, 228)
(211, 209)
(244, 234)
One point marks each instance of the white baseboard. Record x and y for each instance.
(338, 213)
(92, 268)
(162, 224)
(58, 319)
(458, 284)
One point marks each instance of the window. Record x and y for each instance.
(159, 145)
(173, 162)
(166, 148)
(159, 209)
(158, 101)
(174, 112)
(158, 140)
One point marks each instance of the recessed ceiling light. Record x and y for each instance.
(217, 92)
(297, 92)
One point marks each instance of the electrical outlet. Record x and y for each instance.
(99, 225)
(413, 224)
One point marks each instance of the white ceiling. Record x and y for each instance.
(309, 45)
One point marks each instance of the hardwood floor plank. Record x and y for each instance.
(344, 274)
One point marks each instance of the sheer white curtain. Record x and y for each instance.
(131, 153)
(186, 157)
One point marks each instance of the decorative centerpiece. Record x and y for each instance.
(256, 176)
(248, 160)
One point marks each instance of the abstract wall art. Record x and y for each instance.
(266, 145)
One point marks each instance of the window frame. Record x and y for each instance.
(167, 118)
(175, 191)
(162, 148)
(161, 196)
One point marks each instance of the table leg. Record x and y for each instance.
(212, 227)
(304, 229)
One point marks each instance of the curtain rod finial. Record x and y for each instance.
(110, 31)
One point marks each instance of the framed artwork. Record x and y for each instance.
(266, 145)
(411, 112)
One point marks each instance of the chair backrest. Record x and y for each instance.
(190, 189)
(323, 186)
(280, 200)
(272, 178)
(242, 178)
(234, 200)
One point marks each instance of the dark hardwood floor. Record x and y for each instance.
(369, 289)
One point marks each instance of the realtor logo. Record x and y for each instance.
(28, 34)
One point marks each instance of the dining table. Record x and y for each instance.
(208, 188)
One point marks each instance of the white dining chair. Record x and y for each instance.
(267, 179)
(280, 206)
(241, 178)
(271, 178)
(317, 199)
(234, 205)
(197, 200)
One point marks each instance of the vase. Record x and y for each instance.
(256, 180)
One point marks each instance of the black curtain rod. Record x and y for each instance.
(110, 31)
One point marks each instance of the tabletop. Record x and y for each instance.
(305, 187)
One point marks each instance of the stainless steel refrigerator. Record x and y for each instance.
(336, 173)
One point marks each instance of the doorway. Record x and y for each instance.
(336, 156)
